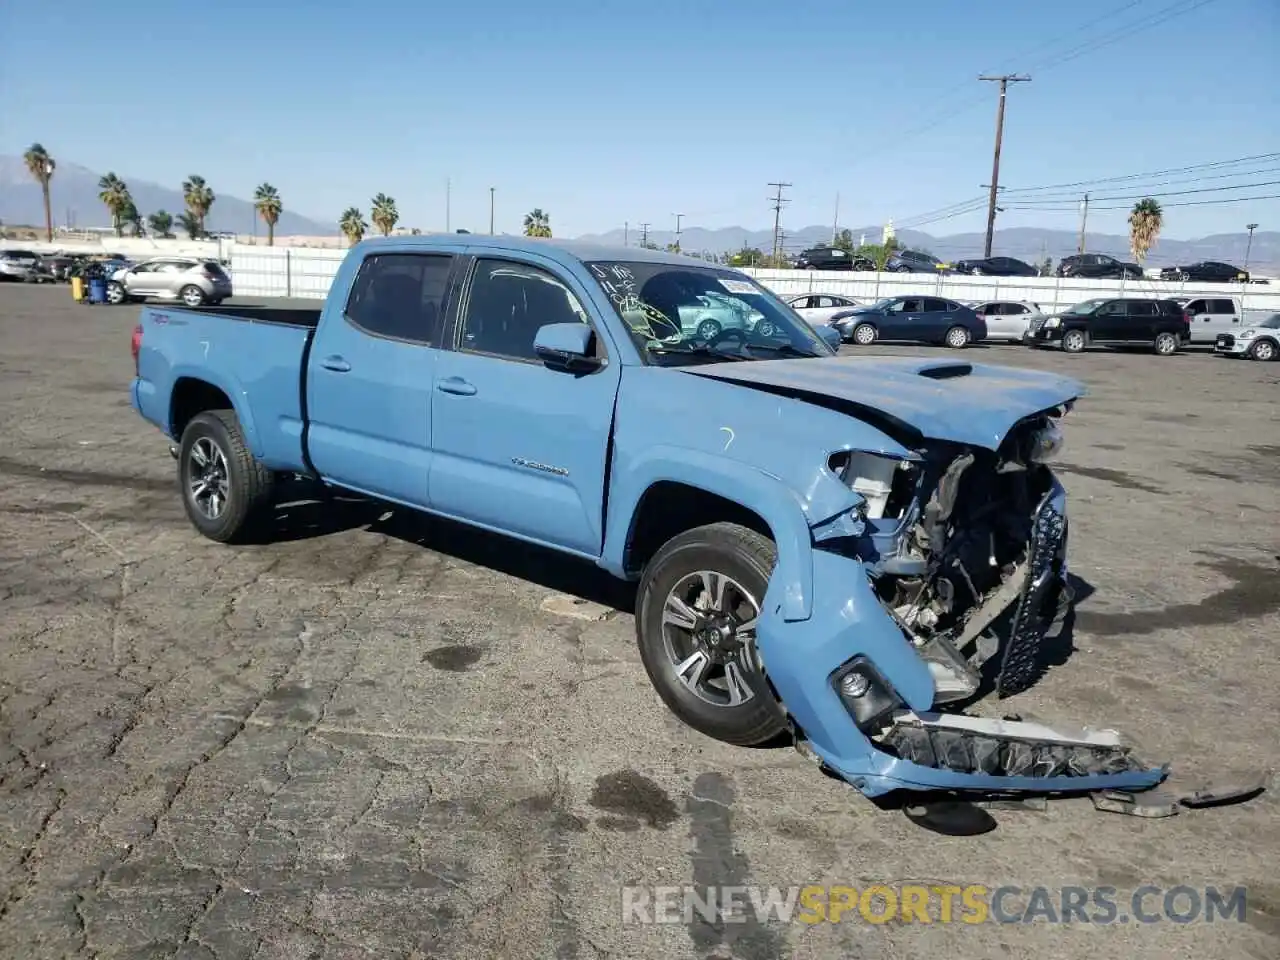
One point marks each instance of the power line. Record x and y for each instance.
(1153, 173)
(1035, 204)
(1198, 203)
(1124, 32)
(777, 217)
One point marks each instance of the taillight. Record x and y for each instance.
(135, 346)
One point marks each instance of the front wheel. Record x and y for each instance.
(116, 294)
(224, 488)
(1262, 350)
(864, 334)
(709, 329)
(1073, 341)
(957, 338)
(697, 609)
(1166, 344)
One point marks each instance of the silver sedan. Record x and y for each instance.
(1007, 319)
(818, 308)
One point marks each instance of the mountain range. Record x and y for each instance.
(1030, 244)
(74, 192)
(75, 199)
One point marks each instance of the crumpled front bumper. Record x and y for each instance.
(924, 750)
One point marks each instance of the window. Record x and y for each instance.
(910, 305)
(804, 303)
(1197, 306)
(1115, 308)
(1221, 306)
(1142, 308)
(401, 296)
(507, 304)
(935, 306)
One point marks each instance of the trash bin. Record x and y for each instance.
(97, 290)
(77, 289)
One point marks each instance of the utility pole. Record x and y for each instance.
(1004, 80)
(1084, 216)
(626, 233)
(491, 211)
(835, 221)
(777, 217)
(679, 217)
(1249, 246)
(448, 199)
(644, 235)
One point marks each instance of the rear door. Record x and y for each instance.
(938, 318)
(1223, 317)
(370, 376)
(519, 447)
(1142, 316)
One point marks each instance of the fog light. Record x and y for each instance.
(854, 685)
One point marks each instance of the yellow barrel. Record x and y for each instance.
(77, 288)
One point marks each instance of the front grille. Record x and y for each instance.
(1226, 340)
(1037, 609)
(1037, 324)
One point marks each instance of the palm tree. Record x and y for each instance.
(129, 215)
(161, 223)
(384, 214)
(115, 194)
(198, 198)
(190, 225)
(352, 224)
(537, 223)
(267, 202)
(41, 166)
(1144, 227)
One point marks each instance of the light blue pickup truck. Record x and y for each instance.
(844, 550)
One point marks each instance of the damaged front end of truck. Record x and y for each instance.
(944, 583)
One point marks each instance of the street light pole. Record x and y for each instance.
(491, 211)
(1249, 246)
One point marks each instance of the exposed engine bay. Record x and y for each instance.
(957, 542)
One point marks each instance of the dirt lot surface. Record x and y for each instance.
(390, 737)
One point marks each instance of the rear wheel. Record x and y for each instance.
(192, 295)
(957, 338)
(224, 488)
(696, 615)
(1166, 344)
(708, 329)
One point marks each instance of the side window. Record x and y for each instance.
(910, 305)
(1142, 308)
(935, 306)
(401, 296)
(1115, 308)
(1197, 306)
(1221, 306)
(507, 304)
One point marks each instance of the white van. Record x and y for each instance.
(1211, 316)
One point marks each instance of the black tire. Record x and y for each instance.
(1263, 349)
(249, 484)
(192, 296)
(708, 329)
(1074, 341)
(1165, 344)
(957, 338)
(867, 332)
(746, 557)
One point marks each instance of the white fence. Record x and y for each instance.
(305, 272)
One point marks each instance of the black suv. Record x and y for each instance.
(995, 267)
(1206, 271)
(831, 258)
(1161, 324)
(1098, 266)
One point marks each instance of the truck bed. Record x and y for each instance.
(307, 317)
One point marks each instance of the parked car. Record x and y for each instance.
(1258, 342)
(995, 267)
(914, 261)
(1008, 319)
(918, 319)
(1206, 271)
(1212, 316)
(1098, 266)
(21, 265)
(194, 282)
(818, 308)
(707, 314)
(774, 502)
(59, 265)
(831, 258)
(1161, 324)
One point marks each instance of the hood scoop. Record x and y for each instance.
(946, 371)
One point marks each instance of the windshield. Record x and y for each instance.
(1080, 309)
(679, 314)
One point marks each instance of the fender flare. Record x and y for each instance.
(236, 394)
(765, 495)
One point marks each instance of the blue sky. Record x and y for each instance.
(602, 111)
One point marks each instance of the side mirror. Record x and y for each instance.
(566, 346)
(831, 335)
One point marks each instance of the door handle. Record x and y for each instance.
(456, 386)
(336, 364)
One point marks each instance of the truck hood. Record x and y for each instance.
(969, 403)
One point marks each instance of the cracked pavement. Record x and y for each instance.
(386, 736)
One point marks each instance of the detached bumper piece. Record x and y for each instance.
(1007, 748)
(1045, 600)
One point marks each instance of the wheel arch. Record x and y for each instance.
(192, 395)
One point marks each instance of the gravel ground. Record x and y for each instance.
(391, 737)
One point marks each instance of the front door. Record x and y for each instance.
(902, 319)
(520, 447)
(370, 377)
